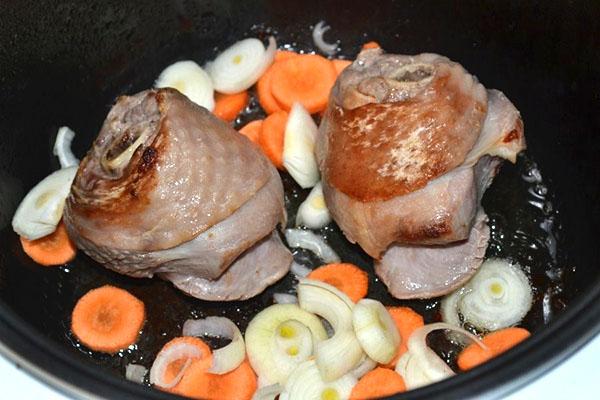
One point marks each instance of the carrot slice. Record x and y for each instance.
(339, 65)
(380, 382)
(306, 79)
(263, 91)
(197, 383)
(252, 130)
(284, 55)
(54, 249)
(346, 277)
(108, 319)
(271, 137)
(371, 45)
(174, 367)
(228, 106)
(407, 321)
(497, 342)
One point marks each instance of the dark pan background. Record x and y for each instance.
(63, 63)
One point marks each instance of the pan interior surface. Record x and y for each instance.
(64, 64)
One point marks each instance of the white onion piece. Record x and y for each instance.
(227, 358)
(317, 35)
(299, 147)
(449, 307)
(313, 212)
(169, 354)
(191, 80)
(342, 352)
(62, 147)
(42, 208)
(262, 341)
(239, 66)
(268, 392)
(413, 375)
(310, 241)
(285, 298)
(500, 296)
(375, 330)
(306, 383)
(367, 364)
(299, 270)
(135, 373)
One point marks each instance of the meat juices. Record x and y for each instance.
(169, 189)
(406, 149)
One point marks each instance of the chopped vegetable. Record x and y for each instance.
(497, 343)
(340, 65)
(191, 80)
(108, 319)
(367, 364)
(173, 360)
(284, 55)
(381, 382)
(348, 278)
(285, 298)
(239, 66)
(407, 321)
(342, 352)
(272, 135)
(313, 212)
(306, 79)
(299, 270)
(306, 383)
(227, 358)
(42, 208)
(62, 147)
(252, 130)
(268, 392)
(371, 45)
(228, 106)
(274, 331)
(263, 86)
(498, 296)
(317, 36)
(198, 383)
(299, 147)
(309, 241)
(53, 249)
(135, 373)
(375, 330)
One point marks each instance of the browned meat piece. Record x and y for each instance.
(168, 188)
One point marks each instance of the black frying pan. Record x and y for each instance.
(64, 63)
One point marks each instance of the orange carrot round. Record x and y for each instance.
(339, 65)
(263, 91)
(347, 277)
(174, 367)
(54, 249)
(306, 79)
(497, 343)
(407, 321)
(108, 319)
(197, 383)
(228, 106)
(380, 382)
(371, 45)
(252, 130)
(284, 55)
(271, 137)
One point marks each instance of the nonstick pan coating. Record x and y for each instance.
(64, 63)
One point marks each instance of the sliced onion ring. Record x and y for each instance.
(227, 358)
(317, 35)
(62, 147)
(285, 298)
(299, 270)
(268, 392)
(310, 241)
(170, 353)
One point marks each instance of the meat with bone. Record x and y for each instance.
(169, 189)
(399, 150)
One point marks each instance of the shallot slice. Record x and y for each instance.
(317, 35)
(191, 80)
(299, 270)
(285, 298)
(227, 358)
(310, 241)
(175, 351)
(62, 147)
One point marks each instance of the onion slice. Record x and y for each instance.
(227, 358)
(299, 270)
(299, 147)
(317, 35)
(310, 241)
(342, 352)
(306, 383)
(62, 147)
(285, 298)
(268, 392)
(313, 212)
(239, 66)
(135, 373)
(169, 354)
(191, 80)
(42, 208)
(367, 364)
(375, 330)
